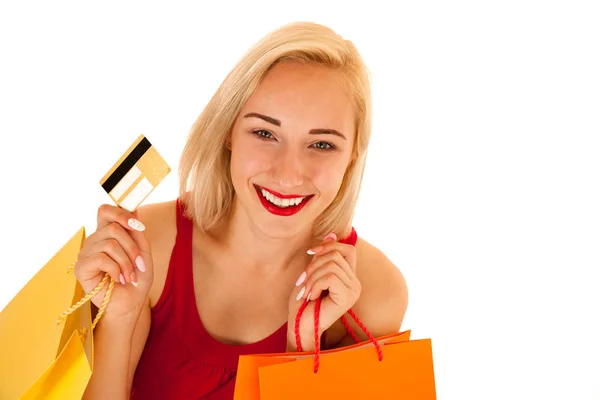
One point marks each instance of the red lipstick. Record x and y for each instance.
(284, 212)
(282, 196)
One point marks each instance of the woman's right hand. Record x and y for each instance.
(119, 248)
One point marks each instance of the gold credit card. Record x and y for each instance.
(135, 175)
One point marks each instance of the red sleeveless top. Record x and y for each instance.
(181, 360)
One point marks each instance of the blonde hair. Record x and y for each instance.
(205, 181)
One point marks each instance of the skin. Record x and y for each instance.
(247, 270)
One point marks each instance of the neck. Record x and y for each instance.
(258, 250)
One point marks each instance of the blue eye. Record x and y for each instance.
(324, 146)
(263, 134)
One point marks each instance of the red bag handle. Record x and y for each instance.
(317, 339)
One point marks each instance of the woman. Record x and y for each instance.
(269, 177)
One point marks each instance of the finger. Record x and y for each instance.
(100, 262)
(332, 256)
(330, 268)
(346, 250)
(113, 249)
(330, 282)
(331, 237)
(108, 214)
(123, 237)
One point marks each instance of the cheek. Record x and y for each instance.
(328, 178)
(327, 171)
(246, 161)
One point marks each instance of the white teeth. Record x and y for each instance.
(274, 200)
(283, 203)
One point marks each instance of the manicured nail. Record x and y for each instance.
(134, 281)
(314, 251)
(330, 236)
(301, 279)
(308, 297)
(136, 225)
(122, 279)
(301, 293)
(140, 264)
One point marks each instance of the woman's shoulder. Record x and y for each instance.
(155, 212)
(384, 298)
(160, 220)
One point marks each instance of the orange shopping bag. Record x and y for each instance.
(388, 367)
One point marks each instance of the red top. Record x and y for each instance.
(181, 360)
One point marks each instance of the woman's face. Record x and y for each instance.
(290, 147)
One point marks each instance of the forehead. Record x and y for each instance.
(304, 96)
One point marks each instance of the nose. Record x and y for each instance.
(287, 170)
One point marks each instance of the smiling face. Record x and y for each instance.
(290, 147)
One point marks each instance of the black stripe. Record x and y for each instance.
(126, 165)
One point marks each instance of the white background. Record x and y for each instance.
(482, 183)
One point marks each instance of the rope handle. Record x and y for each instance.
(317, 338)
(88, 297)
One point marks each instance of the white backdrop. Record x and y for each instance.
(482, 181)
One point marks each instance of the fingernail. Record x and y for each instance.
(140, 264)
(330, 236)
(135, 224)
(314, 251)
(134, 281)
(301, 293)
(122, 279)
(301, 279)
(308, 297)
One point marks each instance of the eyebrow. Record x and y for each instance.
(277, 122)
(263, 117)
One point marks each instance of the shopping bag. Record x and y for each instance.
(46, 331)
(44, 357)
(388, 367)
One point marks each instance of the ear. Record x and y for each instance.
(228, 141)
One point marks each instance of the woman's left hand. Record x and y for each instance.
(332, 271)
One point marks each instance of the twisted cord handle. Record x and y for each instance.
(317, 338)
(88, 297)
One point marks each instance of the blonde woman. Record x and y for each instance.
(269, 179)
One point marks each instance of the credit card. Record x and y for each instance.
(135, 175)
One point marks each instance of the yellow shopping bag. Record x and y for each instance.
(41, 357)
